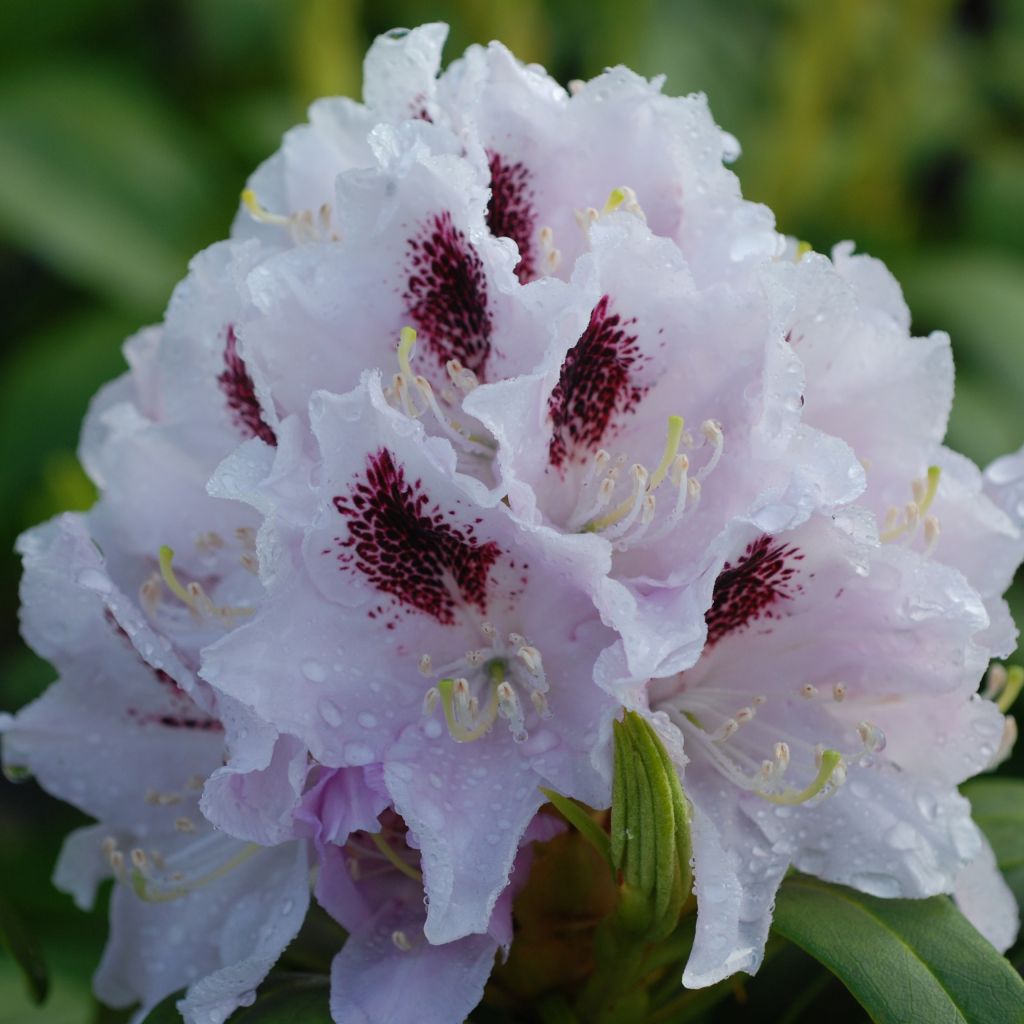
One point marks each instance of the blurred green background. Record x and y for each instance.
(127, 128)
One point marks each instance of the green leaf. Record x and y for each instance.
(903, 960)
(23, 948)
(997, 805)
(115, 201)
(304, 998)
(579, 817)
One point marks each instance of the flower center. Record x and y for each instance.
(735, 738)
(159, 877)
(631, 519)
(488, 683)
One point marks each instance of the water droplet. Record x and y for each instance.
(435, 780)
(366, 719)
(330, 712)
(985, 726)
(94, 580)
(901, 836)
(875, 884)
(357, 754)
(432, 729)
(314, 671)
(714, 892)
(927, 805)
(860, 789)
(286, 907)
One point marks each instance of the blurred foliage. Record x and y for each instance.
(127, 128)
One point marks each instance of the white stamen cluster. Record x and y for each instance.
(488, 683)
(631, 521)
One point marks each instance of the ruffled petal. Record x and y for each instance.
(374, 981)
(986, 900)
(220, 940)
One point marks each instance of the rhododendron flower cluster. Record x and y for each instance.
(501, 413)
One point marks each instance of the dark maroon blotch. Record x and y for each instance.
(753, 588)
(511, 212)
(238, 387)
(446, 293)
(406, 546)
(596, 383)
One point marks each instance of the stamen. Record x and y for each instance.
(301, 225)
(407, 384)
(1011, 688)
(995, 680)
(808, 691)
(378, 840)
(258, 212)
(149, 889)
(400, 941)
(430, 701)
(713, 433)
(510, 708)
(831, 771)
(458, 731)
(193, 595)
(552, 257)
(872, 737)
(839, 692)
(923, 491)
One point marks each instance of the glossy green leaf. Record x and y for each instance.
(903, 960)
(997, 805)
(19, 942)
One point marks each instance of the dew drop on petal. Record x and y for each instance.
(902, 836)
(314, 671)
(357, 754)
(367, 719)
(94, 580)
(330, 712)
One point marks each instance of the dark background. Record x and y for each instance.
(127, 128)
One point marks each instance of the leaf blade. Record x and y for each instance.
(901, 959)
